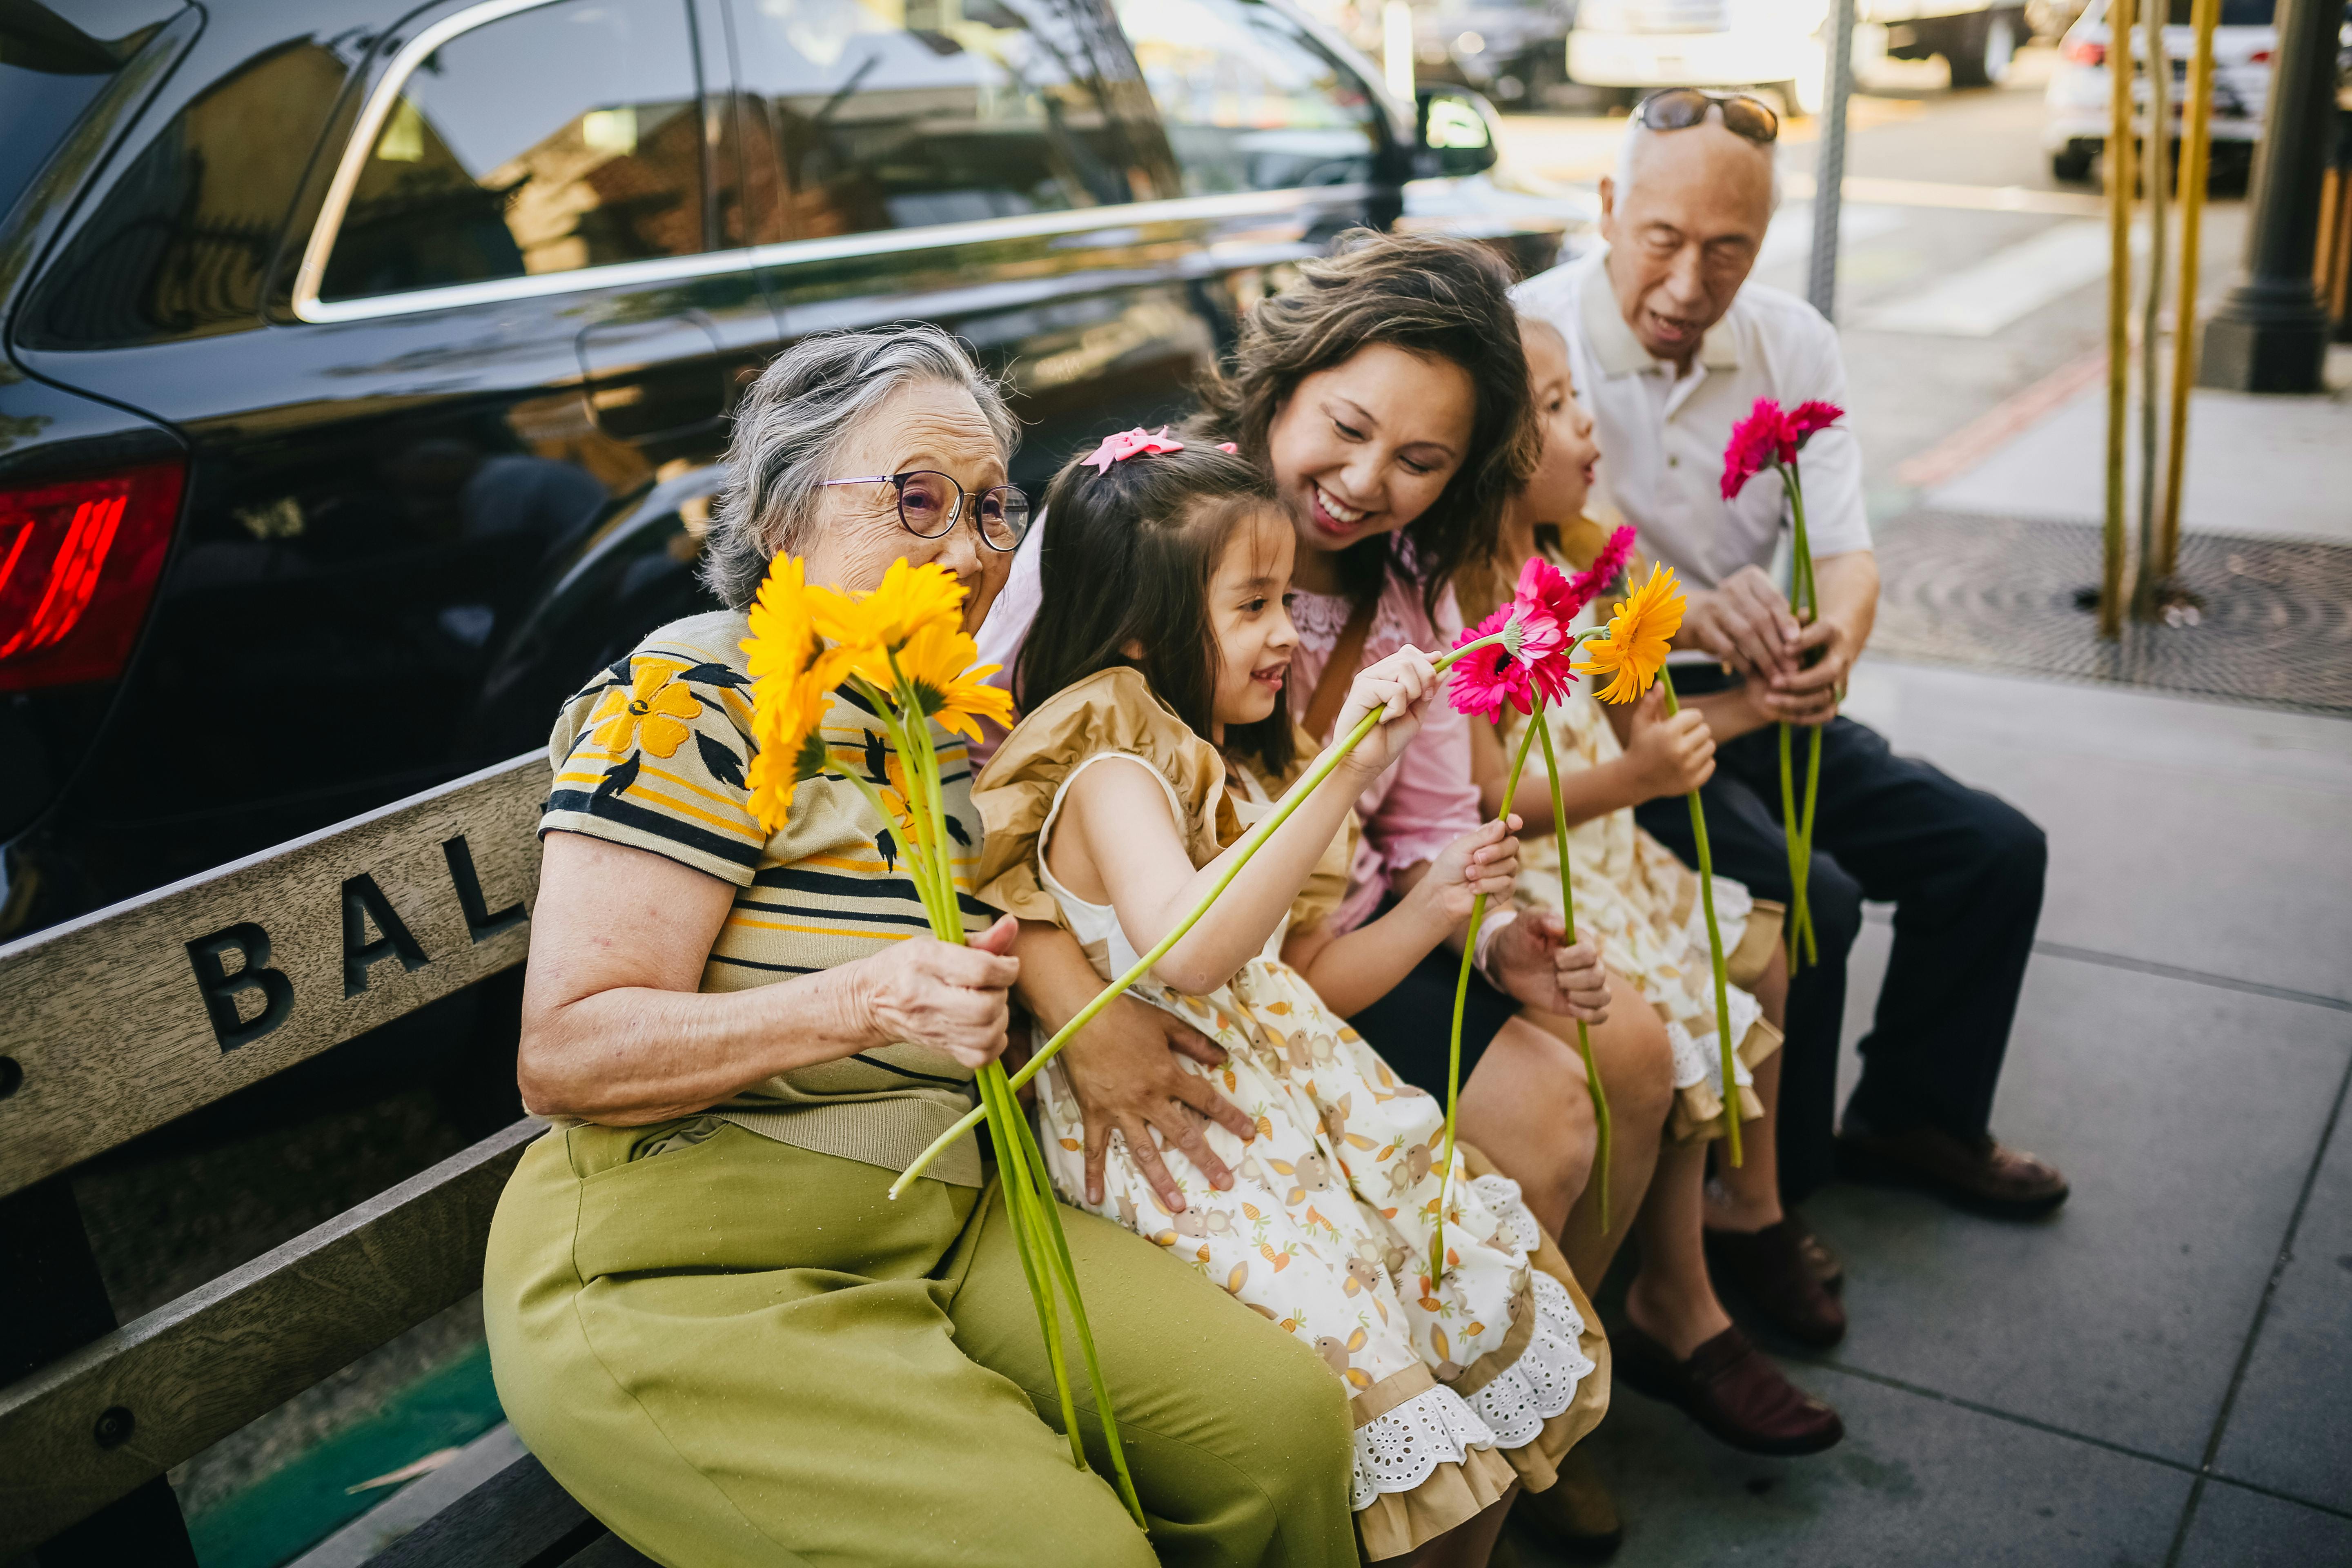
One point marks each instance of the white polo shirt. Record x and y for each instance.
(1662, 437)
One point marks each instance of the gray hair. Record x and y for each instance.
(795, 420)
(1636, 132)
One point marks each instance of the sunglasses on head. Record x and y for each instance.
(1680, 108)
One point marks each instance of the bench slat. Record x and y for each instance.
(196, 1370)
(519, 1516)
(609, 1552)
(142, 1012)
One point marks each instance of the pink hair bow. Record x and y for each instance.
(1128, 443)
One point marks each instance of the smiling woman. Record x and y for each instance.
(1385, 396)
(706, 1317)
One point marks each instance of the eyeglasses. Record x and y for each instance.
(929, 503)
(1680, 108)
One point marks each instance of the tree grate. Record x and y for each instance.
(2263, 621)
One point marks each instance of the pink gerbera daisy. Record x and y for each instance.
(1759, 442)
(1607, 567)
(1811, 417)
(1486, 680)
(1545, 602)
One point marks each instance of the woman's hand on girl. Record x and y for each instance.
(1668, 755)
(925, 992)
(1483, 861)
(1399, 687)
(1537, 964)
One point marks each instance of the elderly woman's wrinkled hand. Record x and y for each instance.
(925, 992)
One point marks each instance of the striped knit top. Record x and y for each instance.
(651, 754)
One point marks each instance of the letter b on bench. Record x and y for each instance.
(222, 988)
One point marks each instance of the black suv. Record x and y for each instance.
(366, 372)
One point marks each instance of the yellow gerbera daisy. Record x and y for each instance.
(910, 599)
(651, 712)
(941, 663)
(1639, 635)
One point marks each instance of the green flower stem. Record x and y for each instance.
(1461, 1000)
(1021, 1205)
(1058, 1257)
(1805, 870)
(1796, 829)
(1029, 1202)
(1714, 949)
(1567, 917)
(1142, 966)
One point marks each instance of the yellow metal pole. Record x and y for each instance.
(2118, 167)
(2154, 164)
(2196, 162)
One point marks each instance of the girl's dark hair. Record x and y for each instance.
(1441, 298)
(1126, 557)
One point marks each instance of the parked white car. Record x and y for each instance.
(1645, 44)
(2078, 98)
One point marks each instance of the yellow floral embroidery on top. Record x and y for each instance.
(652, 712)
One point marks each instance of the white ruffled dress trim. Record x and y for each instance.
(1542, 1382)
(1398, 1450)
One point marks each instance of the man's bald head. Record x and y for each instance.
(1684, 217)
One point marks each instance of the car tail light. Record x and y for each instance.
(2088, 52)
(2259, 57)
(78, 567)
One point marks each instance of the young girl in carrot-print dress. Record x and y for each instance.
(1154, 736)
(1643, 906)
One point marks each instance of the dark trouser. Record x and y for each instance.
(1963, 869)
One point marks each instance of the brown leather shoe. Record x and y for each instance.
(1731, 1389)
(1823, 1264)
(1981, 1174)
(1768, 1267)
(1575, 1515)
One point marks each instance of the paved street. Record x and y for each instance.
(2153, 1376)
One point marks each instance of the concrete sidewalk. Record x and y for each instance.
(2158, 1373)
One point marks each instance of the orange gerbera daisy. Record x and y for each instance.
(941, 663)
(792, 676)
(1639, 635)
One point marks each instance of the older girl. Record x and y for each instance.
(1643, 906)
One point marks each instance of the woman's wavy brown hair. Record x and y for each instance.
(1439, 299)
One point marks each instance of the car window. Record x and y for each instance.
(1250, 104)
(885, 114)
(180, 243)
(552, 139)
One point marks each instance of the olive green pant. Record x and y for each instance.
(735, 1352)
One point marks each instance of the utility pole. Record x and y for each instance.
(2269, 333)
(1828, 174)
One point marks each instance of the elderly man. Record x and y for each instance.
(1671, 346)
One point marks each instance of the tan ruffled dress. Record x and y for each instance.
(1461, 1385)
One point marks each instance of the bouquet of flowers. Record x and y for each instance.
(1770, 439)
(903, 651)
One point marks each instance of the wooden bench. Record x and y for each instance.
(114, 1024)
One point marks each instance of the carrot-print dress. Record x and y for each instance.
(1461, 1384)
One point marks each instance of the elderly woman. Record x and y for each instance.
(706, 1317)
